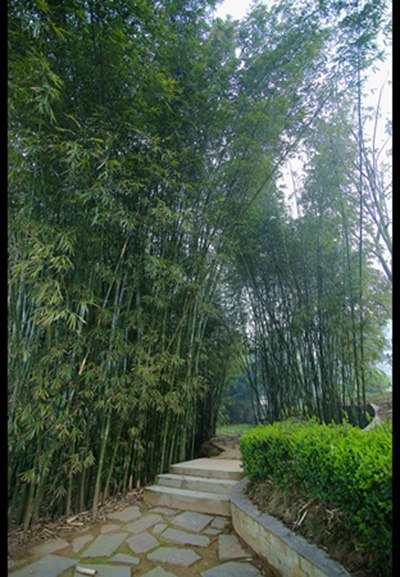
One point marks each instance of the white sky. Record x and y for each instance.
(236, 8)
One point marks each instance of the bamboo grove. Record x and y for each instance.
(144, 141)
(315, 301)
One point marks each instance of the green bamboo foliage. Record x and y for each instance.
(141, 136)
(300, 287)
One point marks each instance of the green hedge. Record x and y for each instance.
(338, 464)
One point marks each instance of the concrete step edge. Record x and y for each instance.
(186, 500)
(190, 479)
(195, 478)
(181, 469)
(187, 493)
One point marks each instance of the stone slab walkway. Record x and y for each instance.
(151, 542)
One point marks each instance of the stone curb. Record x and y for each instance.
(285, 551)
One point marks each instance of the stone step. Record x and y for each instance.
(184, 499)
(220, 486)
(210, 468)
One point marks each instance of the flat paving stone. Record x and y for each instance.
(49, 566)
(174, 555)
(122, 558)
(110, 527)
(229, 547)
(165, 511)
(192, 521)
(50, 547)
(105, 570)
(220, 522)
(126, 515)
(211, 531)
(80, 542)
(159, 528)
(143, 524)
(184, 538)
(142, 543)
(233, 569)
(104, 545)
(159, 572)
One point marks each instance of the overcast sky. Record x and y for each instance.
(236, 8)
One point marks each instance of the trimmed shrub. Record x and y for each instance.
(338, 464)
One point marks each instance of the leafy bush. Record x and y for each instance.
(338, 464)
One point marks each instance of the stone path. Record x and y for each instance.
(151, 542)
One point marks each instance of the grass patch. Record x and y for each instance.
(233, 430)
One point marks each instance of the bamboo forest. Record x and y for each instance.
(154, 253)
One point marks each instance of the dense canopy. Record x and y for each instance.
(151, 251)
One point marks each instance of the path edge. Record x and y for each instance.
(288, 553)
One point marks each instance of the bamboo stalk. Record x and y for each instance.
(103, 444)
(69, 491)
(31, 492)
(112, 463)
